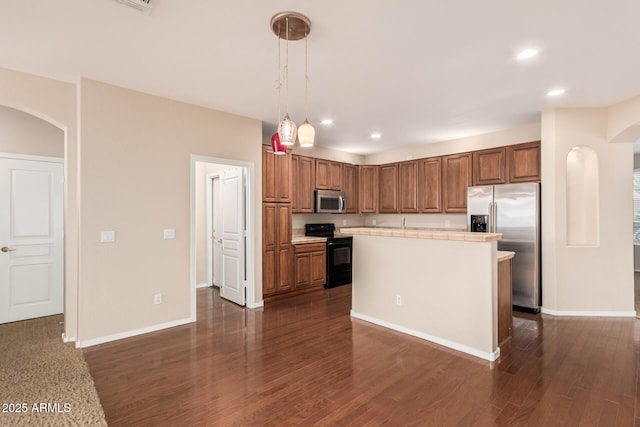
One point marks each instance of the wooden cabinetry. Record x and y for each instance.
(408, 187)
(524, 162)
(456, 177)
(490, 166)
(328, 175)
(430, 185)
(350, 187)
(276, 248)
(388, 185)
(368, 189)
(505, 308)
(310, 261)
(303, 183)
(276, 176)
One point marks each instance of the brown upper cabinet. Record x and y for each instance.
(388, 188)
(408, 187)
(276, 176)
(328, 175)
(490, 166)
(350, 187)
(456, 177)
(524, 162)
(430, 185)
(368, 189)
(303, 183)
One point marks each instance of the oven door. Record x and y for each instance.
(339, 262)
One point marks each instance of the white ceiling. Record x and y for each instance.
(415, 71)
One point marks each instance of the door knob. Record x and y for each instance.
(6, 249)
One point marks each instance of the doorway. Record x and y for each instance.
(222, 228)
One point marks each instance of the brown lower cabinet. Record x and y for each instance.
(310, 260)
(505, 308)
(277, 270)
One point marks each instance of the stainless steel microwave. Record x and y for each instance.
(330, 201)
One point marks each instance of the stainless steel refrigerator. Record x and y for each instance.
(514, 211)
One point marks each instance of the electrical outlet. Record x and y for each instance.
(398, 299)
(157, 299)
(344, 222)
(373, 222)
(107, 236)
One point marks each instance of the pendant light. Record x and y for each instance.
(296, 27)
(306, 132)
(277, 147)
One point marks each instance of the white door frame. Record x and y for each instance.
(250, 222)
(48, 159)
(210, 214)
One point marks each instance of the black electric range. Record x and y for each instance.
(339, 251)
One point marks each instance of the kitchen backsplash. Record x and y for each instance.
(454, 221)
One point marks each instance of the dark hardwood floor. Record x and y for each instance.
(304, 361)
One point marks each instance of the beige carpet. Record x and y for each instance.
(43, 381)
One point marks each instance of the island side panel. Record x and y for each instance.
(448, 289)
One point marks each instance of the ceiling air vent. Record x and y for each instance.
(142, 5)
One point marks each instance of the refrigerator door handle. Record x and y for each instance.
(490, 219)
(495, 217)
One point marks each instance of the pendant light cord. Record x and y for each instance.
(306, 80)
(286, 68)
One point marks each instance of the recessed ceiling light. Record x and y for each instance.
(327, 121)
(376, 135)
(556, 92)
(527, 53)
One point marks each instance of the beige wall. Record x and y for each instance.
(54, 102)
(591, 278)
(516, 135)
(23, 133)
(624, 121)
(135, 157)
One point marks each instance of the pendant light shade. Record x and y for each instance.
(306, 134)
(277, 146)
(287, 131)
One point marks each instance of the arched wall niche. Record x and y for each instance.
(582, 193)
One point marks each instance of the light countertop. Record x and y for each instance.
(505, 255)
(299, 240)
(422, 233)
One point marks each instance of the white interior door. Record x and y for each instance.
(232, 195)
(216, 236)
(31, 238)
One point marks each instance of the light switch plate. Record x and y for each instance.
(169, 233)
(107, 236)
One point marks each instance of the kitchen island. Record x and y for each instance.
(436, 285)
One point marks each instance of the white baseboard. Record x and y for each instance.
(441, 341)
(203, 285)
(133, 333)
(67, 339)
(588, 313)
(256, 304)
